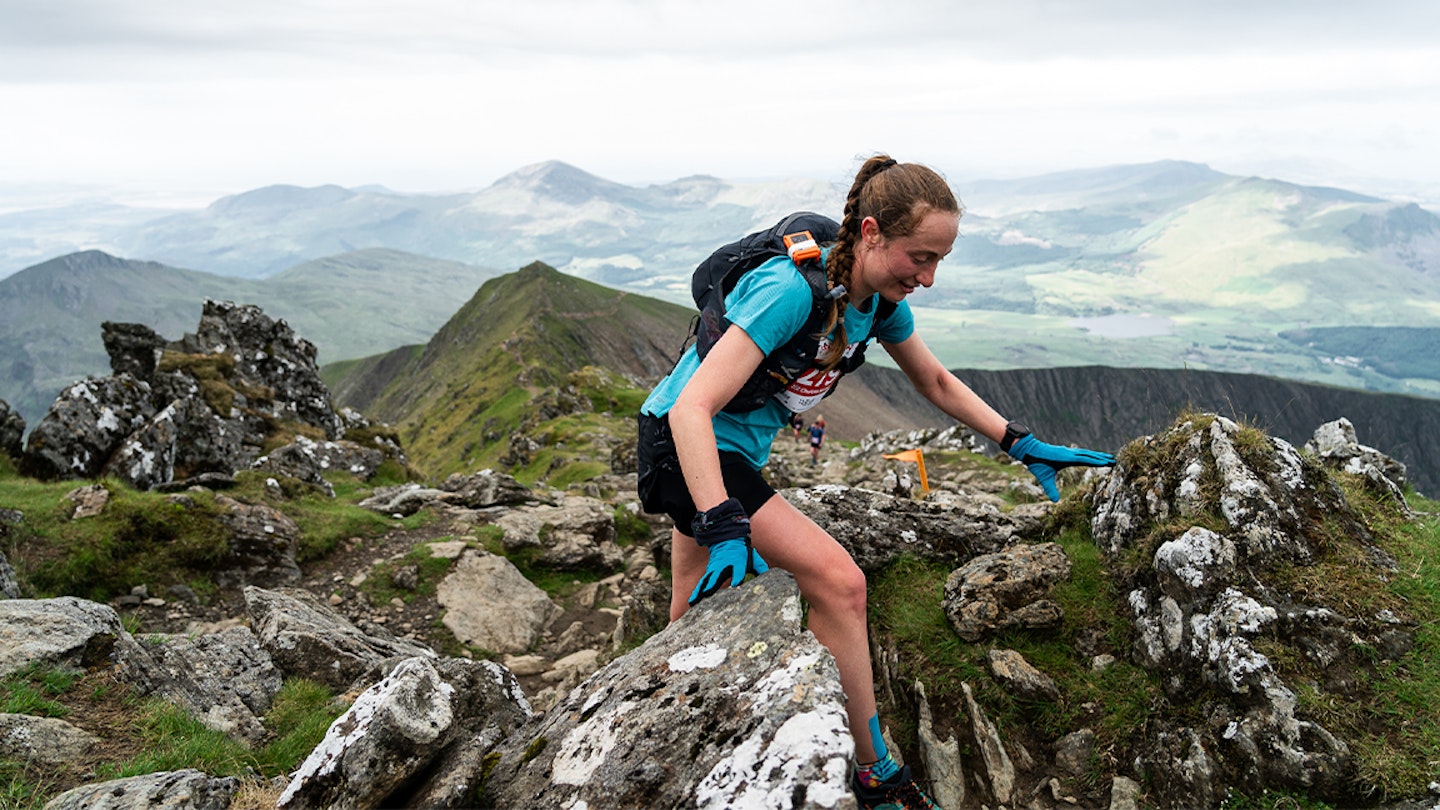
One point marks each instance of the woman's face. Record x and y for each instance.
(896, 267)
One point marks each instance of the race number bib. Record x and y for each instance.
(812, 386)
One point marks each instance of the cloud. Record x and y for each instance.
(449, 94)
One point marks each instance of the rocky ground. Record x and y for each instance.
(590, 608)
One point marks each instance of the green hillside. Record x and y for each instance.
(523, 350)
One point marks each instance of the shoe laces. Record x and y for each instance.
(910, 796)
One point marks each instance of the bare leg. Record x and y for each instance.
(687, 565)
(830, 582)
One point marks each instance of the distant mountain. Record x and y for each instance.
(349, 306)
(1160, 265)
(524, 333)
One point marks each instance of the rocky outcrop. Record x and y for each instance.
(1205, 596)
(735, 705)
(424, 713)
(206, 403)
(308, 639)
(12, 430)
(876, 527)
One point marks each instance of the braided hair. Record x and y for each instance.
(898, 196)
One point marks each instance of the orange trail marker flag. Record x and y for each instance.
(915, 456)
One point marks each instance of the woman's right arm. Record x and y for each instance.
(724, 370)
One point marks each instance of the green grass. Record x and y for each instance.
(302, 711)
(139, 538)
(33, 691)
(379, 586)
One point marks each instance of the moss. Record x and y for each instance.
(533, 750)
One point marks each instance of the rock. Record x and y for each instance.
(401, 725)
(134, 348)
(485, 489)
(876, 528)
(306, 638)
(42, 740)
(941, 757)
(1337, 446)
(269, 356)
(1208, 593)
(403, 499)
(84, 426)
(65, 631)
(168, 790)
(1124, 794)
(308, 460)
(1006, 589)
(225, 680)
(1074, 751)
(577, 534)
(490, 604)
(262, 543)
(734, 705)
(89, 500)
(1021, 678)
(999, 771)
(9, 582)
(12, 431)
(146, 458)
(647, 612)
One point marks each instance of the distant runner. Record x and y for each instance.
(817, 438)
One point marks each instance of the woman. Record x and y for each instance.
(702, 466)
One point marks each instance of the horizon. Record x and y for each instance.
(34, 196)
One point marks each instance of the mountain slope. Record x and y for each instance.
(1104, 408)
(515, 342)
(52, 314)
(348, 306)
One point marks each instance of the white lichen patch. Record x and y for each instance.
(584, 749)
(765, 774)
(781, 684)
(693, 658)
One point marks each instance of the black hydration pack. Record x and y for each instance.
(716, 276)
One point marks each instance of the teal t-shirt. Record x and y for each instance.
(772, 303)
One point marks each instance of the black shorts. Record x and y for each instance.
(661, 485)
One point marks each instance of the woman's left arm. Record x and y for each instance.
(955, 398)
(943, 388)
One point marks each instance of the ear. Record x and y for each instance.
(870, 231)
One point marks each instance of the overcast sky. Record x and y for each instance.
(220, 96)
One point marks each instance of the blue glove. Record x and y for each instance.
(1045, 460)
(730, 561)
(725, 531)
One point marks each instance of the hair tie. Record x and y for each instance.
(887, 164)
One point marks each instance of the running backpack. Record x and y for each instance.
(716, 276)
